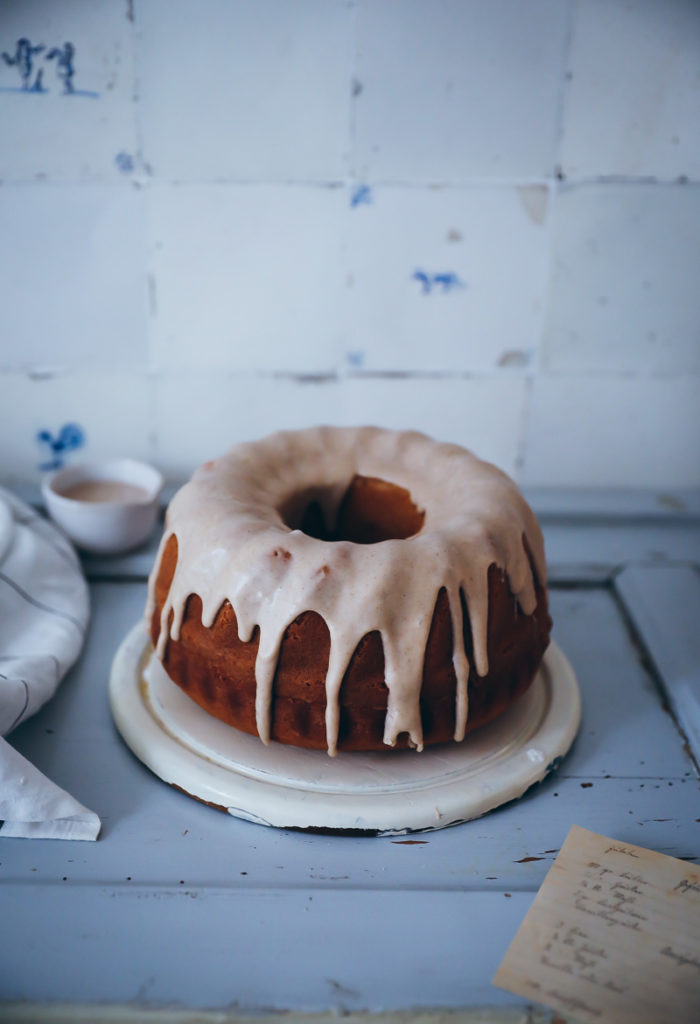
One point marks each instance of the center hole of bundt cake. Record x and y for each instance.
(372, 510)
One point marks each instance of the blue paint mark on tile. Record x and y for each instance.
(22, 92)
(31, 67)
(361, 196)
(23, 60)
(425, 280)
(124, 161)
(65, 69)
(90, 93)
(356, 358)
(70, 437)
(446, 280)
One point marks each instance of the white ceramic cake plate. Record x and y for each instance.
(388, 793)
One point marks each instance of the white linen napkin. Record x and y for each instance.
(44, 613)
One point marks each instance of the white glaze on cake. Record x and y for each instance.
(234, 544)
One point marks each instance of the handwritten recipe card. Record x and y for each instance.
(612, 937)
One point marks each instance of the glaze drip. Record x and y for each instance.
(234, 544)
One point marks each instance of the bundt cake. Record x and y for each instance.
(350, 589)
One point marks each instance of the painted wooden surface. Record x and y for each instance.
(178, 904)
(663, 603)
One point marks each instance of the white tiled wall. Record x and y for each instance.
(71, 279)
(450, 90)
(48, 136)
(633, 96)
(489, 242)
(248, 277)
(478, 218)
(114, 409)
(246, 90)
(647, 428)
(625, 280)
(200, 412)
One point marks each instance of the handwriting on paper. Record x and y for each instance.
(612, 936)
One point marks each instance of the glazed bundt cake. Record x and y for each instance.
(350, 589)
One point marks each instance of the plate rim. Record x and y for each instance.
(447, 801)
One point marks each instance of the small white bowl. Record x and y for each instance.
(119, 518)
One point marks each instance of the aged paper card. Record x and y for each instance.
(612, 937)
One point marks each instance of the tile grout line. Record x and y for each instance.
(538, 367)
(461, 184)
(565, 70)
(145, 182)
(355, 90)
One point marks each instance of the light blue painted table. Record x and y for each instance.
(179, 905)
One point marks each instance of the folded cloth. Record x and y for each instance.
(44, 613)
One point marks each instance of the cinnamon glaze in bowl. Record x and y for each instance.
(105, 507)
